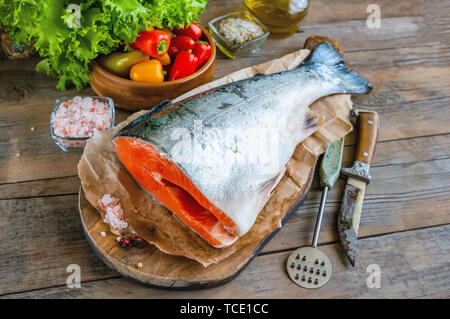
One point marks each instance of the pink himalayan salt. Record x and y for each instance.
(81, 117)
(113, 212)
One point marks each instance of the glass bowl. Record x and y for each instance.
(68, 144)
(231, 49)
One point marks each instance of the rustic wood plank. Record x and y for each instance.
(44, 187)
(437, 295)
(40, 238)
(413, 264)
(402, 197)
(407, 151)
(326, 11)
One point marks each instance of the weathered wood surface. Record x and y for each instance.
(413, 264)
(407, 60)
(410, 190)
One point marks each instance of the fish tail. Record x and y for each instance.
(351, 82)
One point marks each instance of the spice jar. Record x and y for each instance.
(238, 34)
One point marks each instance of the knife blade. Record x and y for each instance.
(359, 177)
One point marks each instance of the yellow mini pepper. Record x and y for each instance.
(147, 72)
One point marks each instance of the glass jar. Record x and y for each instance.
(231, 49)
(68, 144)
(281, 17)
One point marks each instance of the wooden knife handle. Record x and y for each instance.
(368, 124)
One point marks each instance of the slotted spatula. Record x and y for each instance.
(309, 267)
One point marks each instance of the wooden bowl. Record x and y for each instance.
(135, 96)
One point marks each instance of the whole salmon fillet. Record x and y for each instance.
(213, 159)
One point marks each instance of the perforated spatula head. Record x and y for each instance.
(309, 267)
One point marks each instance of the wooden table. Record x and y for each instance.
(405, 223)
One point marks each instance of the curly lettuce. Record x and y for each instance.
(68, 40)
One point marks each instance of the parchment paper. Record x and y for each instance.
(101, 173)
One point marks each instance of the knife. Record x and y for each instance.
(358, 178)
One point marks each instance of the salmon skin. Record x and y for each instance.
(214, 159)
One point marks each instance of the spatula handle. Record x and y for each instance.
(320, 217)
(368, 125)
(330, 167)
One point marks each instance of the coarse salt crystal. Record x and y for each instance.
(107, 199)
(103, 234)
(140, 265)
(113, 212)
(117, 210)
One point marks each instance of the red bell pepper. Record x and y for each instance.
(194, 31)
(185, 64)
(154, 43)
(180, 43)
(202, 50)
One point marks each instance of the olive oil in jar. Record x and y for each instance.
(281, 17)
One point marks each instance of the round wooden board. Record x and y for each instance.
(159, 269)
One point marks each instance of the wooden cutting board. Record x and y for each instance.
(150, 266)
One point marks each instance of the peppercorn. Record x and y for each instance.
(130, 242)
